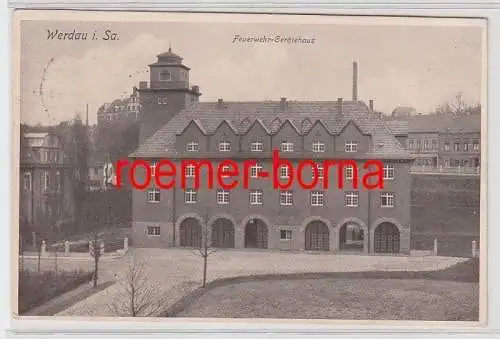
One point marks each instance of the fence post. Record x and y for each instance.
(43, 248)
(125, 244)
(435, 250)
(474, 248)
(66, 247)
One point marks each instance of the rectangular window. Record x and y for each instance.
(351, 146)
(351, 199)
(256, 197)
(348, 172)
(193, 147)
(411, 144)
(257, 146)
(153, 195)
(255, 170)
(446, 146)
(224, 146)
(27, 181)
(318, 147)
(286, 198)
(162, 100)
(426, 144)
(387, 199)
(284, 172)
(475, 145)
(152, 167)
(419, 144)
(190, 196)
(222, 197)
(434, 144)
(190, 171)
(317, 198)
(154, 230)
(388, 172)
(58, 181)
(165, 75)
(466, 147)
(286, 146)
(46, 181)
(457, 147)
(321, 172)
(225, 169)
(285, 235)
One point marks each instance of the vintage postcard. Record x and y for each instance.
(242, 166)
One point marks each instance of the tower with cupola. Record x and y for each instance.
(168, 92)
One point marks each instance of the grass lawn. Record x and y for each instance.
(451, 294)
(356, 299)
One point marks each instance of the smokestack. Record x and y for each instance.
(283, 104)
(354, 81)
(340, 104)
(87, 116)
(371, 105)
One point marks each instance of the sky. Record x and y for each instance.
(415, 65)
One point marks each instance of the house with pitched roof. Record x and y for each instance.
(45, 196)
(259, 216)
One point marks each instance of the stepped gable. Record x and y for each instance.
(209, 115)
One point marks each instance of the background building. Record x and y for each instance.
(442, 141)
(120, 110)
(45, 191)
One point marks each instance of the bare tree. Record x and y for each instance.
(205, 250)
(139, 297)
(458, 107)
(95, 252)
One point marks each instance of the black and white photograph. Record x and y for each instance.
(249, 166)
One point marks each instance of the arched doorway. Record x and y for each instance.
(317, 236)
(256, 234)
(386, 238)
(351, 237)
(190, 233)
(223, 233)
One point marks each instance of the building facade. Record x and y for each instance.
(442, 141)
(334, 219)
(45, 196)
(120, 110)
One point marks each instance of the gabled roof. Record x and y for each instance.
(210, 114)
(398, 127)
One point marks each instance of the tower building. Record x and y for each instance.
(167, 93)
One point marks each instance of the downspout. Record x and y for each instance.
(174, 202)
(369, 219)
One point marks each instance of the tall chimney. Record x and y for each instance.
(354, 81)
(283, 104)
(340, 104)
(371, 105)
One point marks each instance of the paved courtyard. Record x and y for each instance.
(179, 271)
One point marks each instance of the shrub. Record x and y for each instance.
(31, 284)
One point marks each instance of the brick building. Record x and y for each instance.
(332, 219)
(441, 140)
